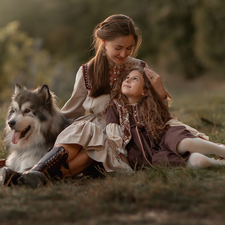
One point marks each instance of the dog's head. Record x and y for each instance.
(28, 109)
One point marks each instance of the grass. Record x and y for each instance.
(163, 197)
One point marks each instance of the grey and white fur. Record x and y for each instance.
(32, 125)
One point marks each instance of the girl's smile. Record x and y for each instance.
(126, 86)
(133, 87)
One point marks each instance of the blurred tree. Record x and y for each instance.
(20, 56)
(172, 36)
(184, 37)
(23, 61)
(210, 35)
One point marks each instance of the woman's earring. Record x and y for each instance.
(104, 51)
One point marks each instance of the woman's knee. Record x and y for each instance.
(72, 149)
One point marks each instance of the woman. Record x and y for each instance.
(116, 41)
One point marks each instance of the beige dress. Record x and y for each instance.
(89, 131)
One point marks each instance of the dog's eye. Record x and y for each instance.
(26, 111)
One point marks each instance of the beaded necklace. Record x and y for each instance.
(114, 72)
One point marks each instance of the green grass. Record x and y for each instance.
(166, 196)
(179, 194)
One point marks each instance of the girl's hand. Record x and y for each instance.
(156, 82)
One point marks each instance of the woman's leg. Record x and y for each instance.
(78, 160)
(60, 157)
(201, 146)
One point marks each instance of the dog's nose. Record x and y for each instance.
(12, 123)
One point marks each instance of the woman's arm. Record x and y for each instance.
(73, 107)
(153, 77)
(157, 83)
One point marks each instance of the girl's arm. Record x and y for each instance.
(73, 107)
(114, 132)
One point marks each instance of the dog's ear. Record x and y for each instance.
(18, 89)
(45, 92)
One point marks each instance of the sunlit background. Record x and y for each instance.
(45, 42)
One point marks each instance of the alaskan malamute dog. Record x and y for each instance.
(33, 123)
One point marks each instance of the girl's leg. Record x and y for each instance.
(197, 161)
(201, 146)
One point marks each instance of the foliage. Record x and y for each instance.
(19, 59)
(54, 37)
(23, 61)
(210, 34)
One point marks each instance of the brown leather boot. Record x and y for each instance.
(48, 167)
(9, 177)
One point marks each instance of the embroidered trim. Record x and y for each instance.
(124, 122)
(87, 85)
(114, 72)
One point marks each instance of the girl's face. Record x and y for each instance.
(118, 49)
(133, 86)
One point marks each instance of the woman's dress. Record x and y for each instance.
(88, 130)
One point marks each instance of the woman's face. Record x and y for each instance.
(118, 49)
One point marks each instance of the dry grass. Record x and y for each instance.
(162, 197)
(140, 198)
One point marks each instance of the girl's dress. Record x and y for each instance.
(130, 133)
(88, 129)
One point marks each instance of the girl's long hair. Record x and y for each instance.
(153, 109)
(111, 28)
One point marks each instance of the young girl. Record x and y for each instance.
(116, 41)
(138, 121)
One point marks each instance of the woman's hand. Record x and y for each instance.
(124, 159)
(156, 82)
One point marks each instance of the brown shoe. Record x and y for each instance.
(48, 167)
(9, 177)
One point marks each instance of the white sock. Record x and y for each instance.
(197, 161)
(201, 146)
